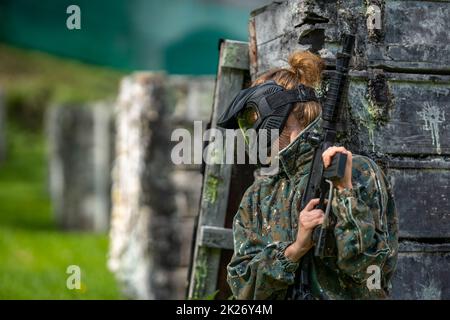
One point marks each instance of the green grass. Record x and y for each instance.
(35, 77)
(34, 254)
(32, 81)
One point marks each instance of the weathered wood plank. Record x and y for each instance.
(412, 246)
(279, 18)
(422, 197)
(413, 34)
(253, 50)
(216, 183)
(416, 36)
(216, 237)
(236, 55)
(276, 58)
(412, 120)
(422, 275)
(411, 163)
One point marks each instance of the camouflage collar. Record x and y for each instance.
(295, 158)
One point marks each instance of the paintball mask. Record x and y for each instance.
(266, 106)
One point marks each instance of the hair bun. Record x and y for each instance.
(307, 66)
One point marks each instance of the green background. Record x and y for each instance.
(178, 36)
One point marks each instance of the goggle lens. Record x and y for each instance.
(247, 118)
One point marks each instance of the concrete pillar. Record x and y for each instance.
(80, 158)
(154, 201)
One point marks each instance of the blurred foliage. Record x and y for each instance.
(34, 255)
(179, 36)
(34, 80)
(211, 296)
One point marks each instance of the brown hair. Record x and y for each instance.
(305, 68)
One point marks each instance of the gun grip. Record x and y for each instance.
(319, 239)
(336, 170)
(316, 234)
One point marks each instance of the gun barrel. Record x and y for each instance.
(330, 112)
(337, 83)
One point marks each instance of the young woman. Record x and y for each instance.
(273, 239)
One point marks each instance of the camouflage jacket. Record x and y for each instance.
(365, 232)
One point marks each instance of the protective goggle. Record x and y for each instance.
(246, 120)
(266, 106)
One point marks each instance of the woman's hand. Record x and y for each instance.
(308, 219)
(327, 157)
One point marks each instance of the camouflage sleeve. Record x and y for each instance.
(258, 269)
(366, 230)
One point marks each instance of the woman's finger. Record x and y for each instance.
(311, 218)
(311, 204)
(317, 213)
(334, 150)
(320, 220)
(330, 152)
(313, 215)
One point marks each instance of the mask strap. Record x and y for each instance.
(299, 94)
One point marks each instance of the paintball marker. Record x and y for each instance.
(320, 179)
